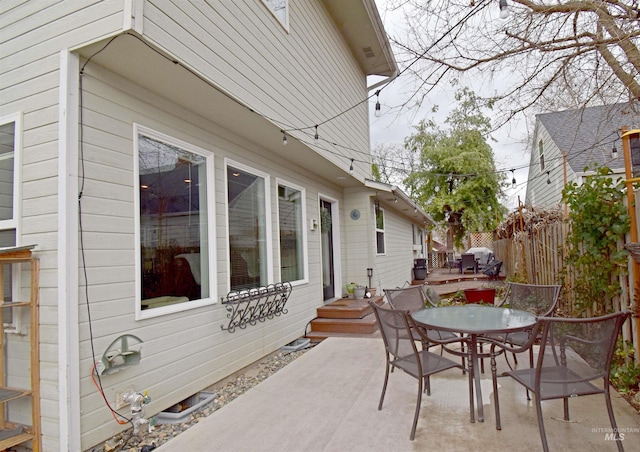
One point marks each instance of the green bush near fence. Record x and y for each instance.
(598, 220)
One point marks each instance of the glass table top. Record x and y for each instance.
(474, 319)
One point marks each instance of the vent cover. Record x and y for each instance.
(368, 52)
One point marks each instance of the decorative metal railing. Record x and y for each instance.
(249, 306)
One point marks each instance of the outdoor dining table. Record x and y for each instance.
(474, 321)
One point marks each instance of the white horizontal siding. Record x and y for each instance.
(298, 79)
(539, 193)
(174, 365)
(393, 269)
(31, 38)
(26, 45)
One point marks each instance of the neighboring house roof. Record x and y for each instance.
(588, 135)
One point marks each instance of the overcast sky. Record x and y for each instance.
(510, 149)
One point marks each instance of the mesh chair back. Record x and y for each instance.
(433, 298)
(540, 300)
(579, 349)
(410, 298)
(396, 333)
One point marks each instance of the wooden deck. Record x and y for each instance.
(348, 317)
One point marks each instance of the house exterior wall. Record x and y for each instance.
(392, 268)
(175, 365)
(539, 192)
(31, 38)
(590, 137)
(294, 78)
(299, 78)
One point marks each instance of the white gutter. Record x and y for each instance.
(401, 197)
(384, 81)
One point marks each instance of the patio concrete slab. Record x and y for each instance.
(327, 400)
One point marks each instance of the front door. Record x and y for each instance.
(328, 267)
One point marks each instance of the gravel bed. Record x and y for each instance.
(225, 391)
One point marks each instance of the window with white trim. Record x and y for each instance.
(280, 9)
(541, 155)
(418, 237)
(379, 218)
(10, 133)
(173, 213)
(248, 227)
(291, 220)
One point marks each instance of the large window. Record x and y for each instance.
(248, 228)
(291, 228)
(174, 222)
(9, 147)
(380, 249)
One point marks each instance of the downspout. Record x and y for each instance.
(67, 262)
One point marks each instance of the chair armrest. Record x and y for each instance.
(503, 342)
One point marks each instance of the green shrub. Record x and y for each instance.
(625, 373)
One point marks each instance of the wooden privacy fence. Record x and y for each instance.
(536, 256)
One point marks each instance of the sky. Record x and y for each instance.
(510, 148)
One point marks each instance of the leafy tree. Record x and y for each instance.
(598, 221)
(548, 54)
(457, 182)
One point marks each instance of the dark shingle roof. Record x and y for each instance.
(588, 135)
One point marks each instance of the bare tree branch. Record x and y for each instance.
(571, 53)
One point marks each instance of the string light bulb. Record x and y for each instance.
(284, 138)
(377, 111)
(614, 152)
(351, 167)
(504, 9)
(548, 178)
(315, 137)
(513, 181)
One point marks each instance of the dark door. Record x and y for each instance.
(326, 232)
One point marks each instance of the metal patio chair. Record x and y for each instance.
(452, 262)
(396, 329)
(492, 269)
(411, 299)
(573, 354)
(537, 299)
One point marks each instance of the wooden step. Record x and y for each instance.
(346, 317)
(365, 325)
(319, 336)
(347, 308)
